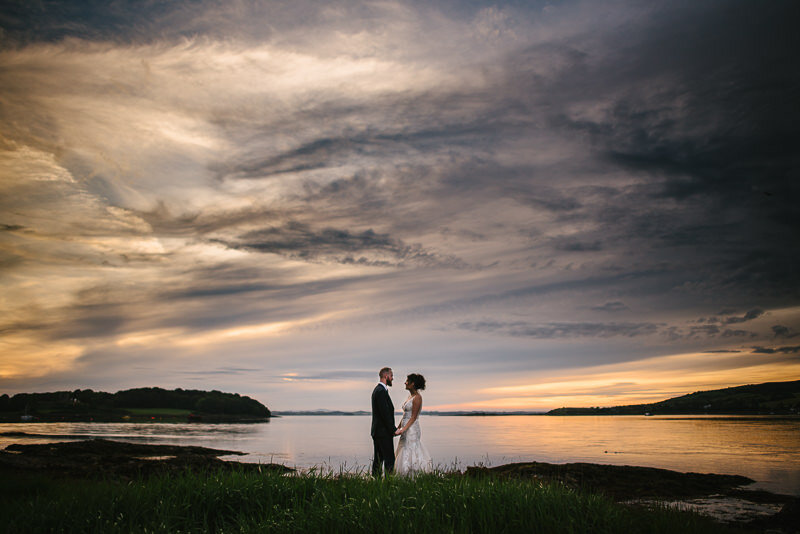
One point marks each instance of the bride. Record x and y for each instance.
(411, 456)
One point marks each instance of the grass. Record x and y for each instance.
(239, 502)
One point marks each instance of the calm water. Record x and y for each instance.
(764, 449)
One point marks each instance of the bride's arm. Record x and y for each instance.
(416, 406)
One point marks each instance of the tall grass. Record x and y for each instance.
(254, 502)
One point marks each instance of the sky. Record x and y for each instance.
(533, 204)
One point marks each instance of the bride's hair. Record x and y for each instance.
(417, 380)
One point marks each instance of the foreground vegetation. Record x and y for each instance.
(225, 501)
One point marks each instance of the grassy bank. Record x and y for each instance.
(268, 502)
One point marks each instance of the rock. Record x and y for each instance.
(620, 482)
(787, 520)
(113, 448)
(706, 493)
(100, 457)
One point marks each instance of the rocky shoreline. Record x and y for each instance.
(712, 494)
(106, 458)
(719, 496)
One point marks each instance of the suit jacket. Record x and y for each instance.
(382, 413)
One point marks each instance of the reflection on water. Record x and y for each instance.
(762, 448)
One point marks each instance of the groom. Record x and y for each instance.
(383, 427)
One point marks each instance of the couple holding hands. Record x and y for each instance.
(411, 456)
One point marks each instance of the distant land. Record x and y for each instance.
(778, 398)
(134, 405)
(427, 412)
(156, 404)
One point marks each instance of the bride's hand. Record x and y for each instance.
(398, 431)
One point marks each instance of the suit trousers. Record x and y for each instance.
(383, 454)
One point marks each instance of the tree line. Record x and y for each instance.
(88, 401)
(767, 398)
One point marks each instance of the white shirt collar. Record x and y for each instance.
(384, 386)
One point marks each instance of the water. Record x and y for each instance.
(765, 449)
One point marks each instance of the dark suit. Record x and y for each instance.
(383, 430)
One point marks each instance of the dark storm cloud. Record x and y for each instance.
(25, 22)
(569, 245)
(728, 332)
(556, 330)
(561, 330)
(48, 20)
(330, 151)
(528, 184)
(299, 240)
(750, 315)
(776, 350)
(721, 122)
(615, 306)
(704, 107)
(784, 331)
(316, 154)
(755, 313)
(711, 330)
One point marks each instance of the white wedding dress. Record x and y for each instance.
(411, 455)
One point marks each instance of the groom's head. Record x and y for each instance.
(386, 375)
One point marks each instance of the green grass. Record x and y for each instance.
(253, 502)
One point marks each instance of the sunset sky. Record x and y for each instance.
(534, 204)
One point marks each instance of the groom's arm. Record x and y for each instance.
(387, 413)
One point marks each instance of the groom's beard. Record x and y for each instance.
(388, 382)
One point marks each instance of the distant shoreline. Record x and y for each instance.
(496, 414)
(781, 399)
(218, 419)
(362, 412)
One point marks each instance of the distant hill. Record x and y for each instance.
(132, 405)
(769, 398)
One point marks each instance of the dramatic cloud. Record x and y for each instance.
(771, 350)
(783, 331)
(615, 306)
(563, 330)
(260, 195)
(297, 240)
(749, 316)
